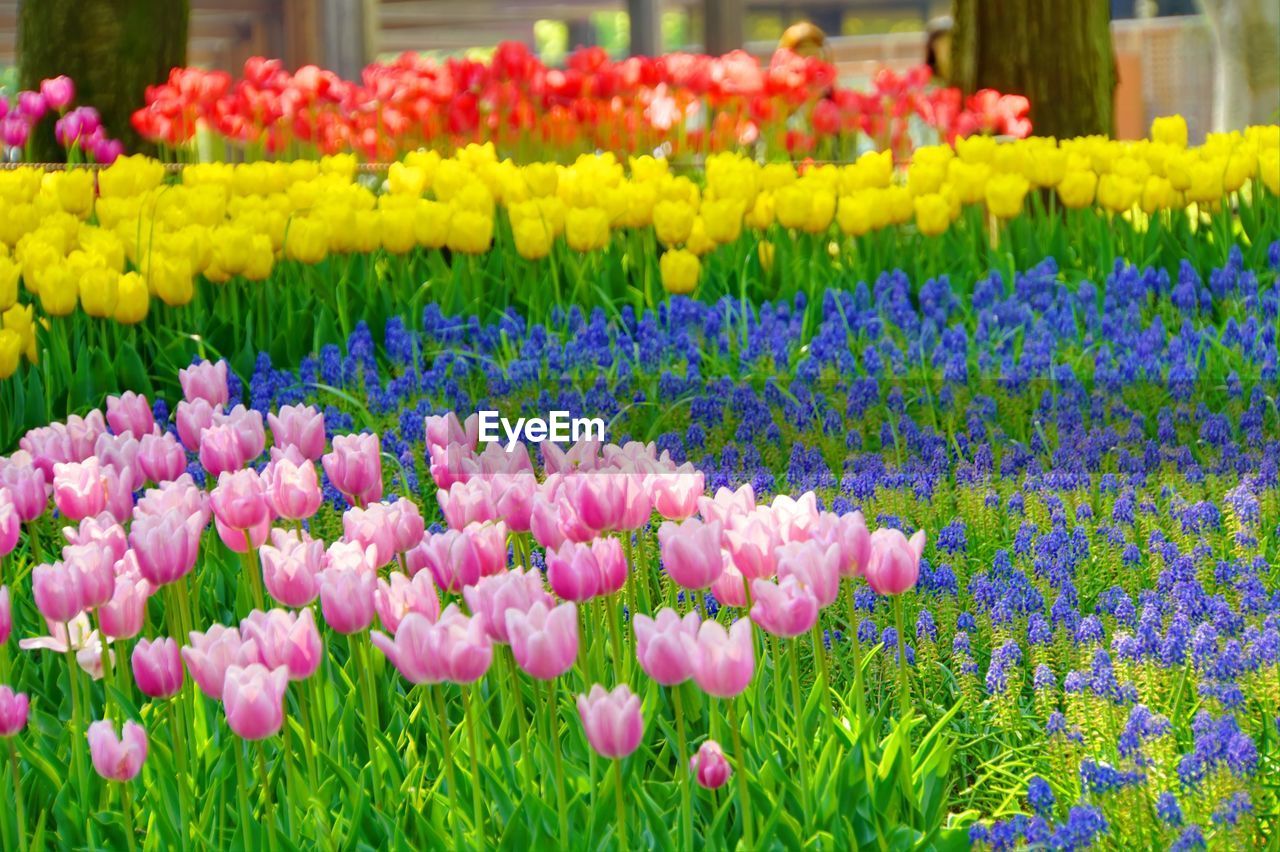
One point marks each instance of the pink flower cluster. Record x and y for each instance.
(79, 129)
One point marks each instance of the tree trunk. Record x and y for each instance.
(111, 49)
(1055, 52)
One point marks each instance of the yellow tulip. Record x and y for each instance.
(10, 352)
(968, 179)
(853, 215)
(431, 224)
(1269, 170)
(1005, 194)
(794, 205)
(821, 212)
(58, 290)
(426, 162)
(306, 240)
(1118, 193)
(586, 229)
(20, 319)
(1242, 165)
(699, 241)
(128, 176)
(672, 221)
(1169, 129)
(397, 231)
(132, 299)
(1157, 194)
(933, 214)
(774, 176)
(99, 291)
(532, 237)
(406, 180)
(680, 270)
(766, 252)
(647, 168)
(18, 220)
(1076, 189)
(898, 205)
(469, 232)
(170, 278)
(976, 149)
(367, 234)
(723, 219)
(73, 189)
(1048, 166)
(9, 274)
(541, 178)
(761, 213)
(925, 178)
(261, 258)
(1205, 186)
(635, 203)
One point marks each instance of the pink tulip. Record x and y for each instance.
(796, 520)
(667, 646)
(56, 589)
(544, 523)
(79, 488)
(894, 565)
(123, 615)
(14, 130)
(291, 566)
(598, 500)
(544, 639)
(121, 453)
(211, 653)
(573, 572)
(816, 567)
(459, 558)
(675, 495)
(726, 660)
(855, 544)
(10, 523)
(166, 545)
(442, 430)
(467, 503)
(182, 494)
(301, 427)
(161, 457)
(193, 418)
(709, 766)
(396, 598)
(785, 609)
(118, 486)
(207, 381)
(371, 527)
(253, 698)
(462, 646)
(691, 552)
(14, 707)
(729, 588)
(26, 486)
(515, 494)
(346, 598)
(95, 565)
(220, 450)
(286, 639)
(157, 667)
(240, 510)
(412, 651)
(492, 597)
(246, 423)
(117, 758)
(292, 490)
(583, 455)
(407, 526)
(350, 556)
(354, 466)
(728, 505)
(49, 445)
(752, 541)
(130, 414)
(102, 530)
(6, 615)
(58, 92)
(611, 720)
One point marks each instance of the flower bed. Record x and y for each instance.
(908, 561)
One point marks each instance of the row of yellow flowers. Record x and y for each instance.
(113, 240)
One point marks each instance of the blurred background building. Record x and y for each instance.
(1164, 48)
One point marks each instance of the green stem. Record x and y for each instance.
(824, 672)
(904, 682)
(859, 693)
(77, 735)
(798, 731)
(19, 808)
(251, 571)
(553, 722)
(686, 804)
(269, 803)
(744, 799)
(477, 806)
(622, 811)
(127, 807)
(623, 664)
(526, 759)
(184, 771)
(364, 685)
(242, 791)
(446, 743)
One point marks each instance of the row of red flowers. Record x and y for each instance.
(680, 101)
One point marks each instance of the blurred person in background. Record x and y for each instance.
(806, 39)
(937, 52)
(1246, 41)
